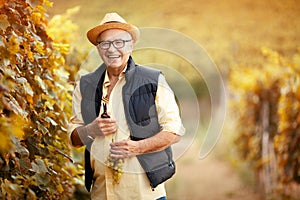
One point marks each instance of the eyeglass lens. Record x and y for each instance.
(116, 43)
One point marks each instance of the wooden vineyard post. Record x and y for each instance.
(269, 171)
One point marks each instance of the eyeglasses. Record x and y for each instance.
(118, 44)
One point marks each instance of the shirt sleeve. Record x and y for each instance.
(76, 119)
(167, 108)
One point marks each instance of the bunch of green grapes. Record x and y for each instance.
(116, 165)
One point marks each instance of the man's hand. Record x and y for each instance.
(101, 127)
(129, 148)
(124, 149)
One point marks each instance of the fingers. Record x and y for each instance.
(102, 127)
(123, 149)
(120, 152)
(107, 126)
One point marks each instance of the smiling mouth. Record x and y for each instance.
(113, 56)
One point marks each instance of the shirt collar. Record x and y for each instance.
(106, 82)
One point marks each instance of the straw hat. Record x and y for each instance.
(112, 21)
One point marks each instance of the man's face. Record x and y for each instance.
(115, 55)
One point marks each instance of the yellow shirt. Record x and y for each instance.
(134, 183)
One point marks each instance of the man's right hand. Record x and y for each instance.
(99, 127)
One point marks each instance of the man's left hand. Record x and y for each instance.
(124, 149)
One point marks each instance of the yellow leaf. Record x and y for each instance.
(30, 56)
(72, 11)
(60, 188)
(63, 48)
(48, 3)
(36, 17)
(3, 22)
(5, 142)
(49, 101)
(29, 99)
(40, 82)
(39, 47)
(13, 45)
(31, 194)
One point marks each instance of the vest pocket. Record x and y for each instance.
(161, 174)
(158, 166)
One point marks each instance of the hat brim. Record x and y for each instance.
(93, 34)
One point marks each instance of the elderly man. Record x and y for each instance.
(141, 119)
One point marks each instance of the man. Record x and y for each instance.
(144, 118)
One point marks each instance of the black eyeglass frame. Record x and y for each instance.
(112, 43)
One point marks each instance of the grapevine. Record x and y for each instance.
(267, 107)
(35, 104)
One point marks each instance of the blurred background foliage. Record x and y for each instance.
(266, 102)
(255, 45)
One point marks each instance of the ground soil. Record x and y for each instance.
(211, 178)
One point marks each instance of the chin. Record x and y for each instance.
(115, 65)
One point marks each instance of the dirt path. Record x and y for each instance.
(207, 179)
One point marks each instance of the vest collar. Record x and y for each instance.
(130, 64)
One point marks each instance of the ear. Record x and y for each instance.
(129, 47)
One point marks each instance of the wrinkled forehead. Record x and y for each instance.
(114, 34)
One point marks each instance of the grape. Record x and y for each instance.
(116, 166)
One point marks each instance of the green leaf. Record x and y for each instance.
(39, 166)
(42, 179)
(42, 128)
(50, 120)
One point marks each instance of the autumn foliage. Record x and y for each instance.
(266, 101)
(35, 102)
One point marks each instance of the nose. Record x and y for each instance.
(111, 48)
